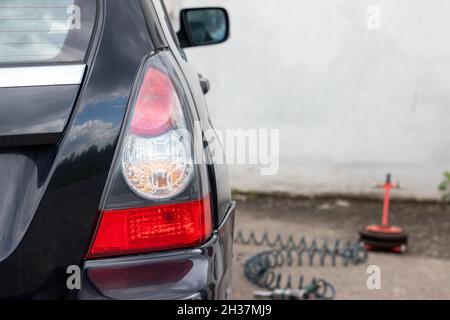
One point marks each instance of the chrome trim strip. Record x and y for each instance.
(230, 210)
(41, 76)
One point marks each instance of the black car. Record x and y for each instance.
(106, 191)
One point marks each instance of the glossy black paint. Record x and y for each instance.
(35, 115)
(57, 189)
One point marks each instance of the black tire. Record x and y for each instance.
(382, 245)
(384, 237)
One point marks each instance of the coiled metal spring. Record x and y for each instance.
(261, 268)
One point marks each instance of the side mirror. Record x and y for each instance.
(203, 26)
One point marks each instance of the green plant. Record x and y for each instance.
(444, 187)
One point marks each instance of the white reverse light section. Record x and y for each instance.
(156, 168)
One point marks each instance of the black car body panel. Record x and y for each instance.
(53, 178)
(29, 115)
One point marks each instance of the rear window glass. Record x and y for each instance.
(39, 31)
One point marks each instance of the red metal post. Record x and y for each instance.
(387, 191)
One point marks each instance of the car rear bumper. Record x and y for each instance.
(200, 273)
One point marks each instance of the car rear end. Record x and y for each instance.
(102, 164)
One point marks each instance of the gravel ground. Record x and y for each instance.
(422, 273)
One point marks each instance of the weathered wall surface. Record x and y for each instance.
(355, 94)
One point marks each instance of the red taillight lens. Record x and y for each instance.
(155, 104)
(152, 229)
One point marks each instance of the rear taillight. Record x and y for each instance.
(157, 199)
(152, 229)
(156, 158)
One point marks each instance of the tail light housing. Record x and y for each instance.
(157, 197)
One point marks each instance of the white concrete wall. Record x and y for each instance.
(352, 103)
